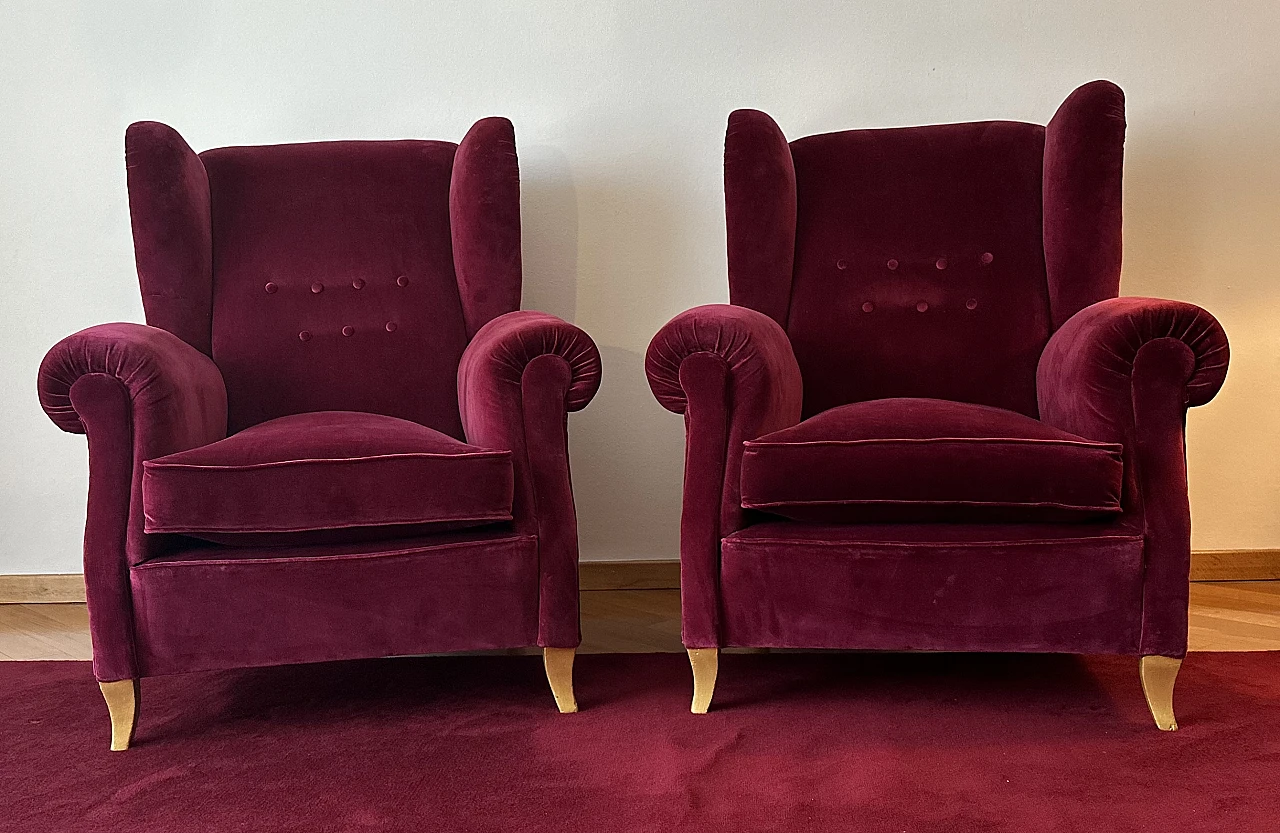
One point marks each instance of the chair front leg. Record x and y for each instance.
(122, 698)
(1158, 676)
(559, 665)
(706, 665)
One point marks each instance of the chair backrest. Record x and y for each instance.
(927, 261)
(330, 275)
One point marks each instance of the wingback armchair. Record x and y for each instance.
(336, 437)
(925, 421)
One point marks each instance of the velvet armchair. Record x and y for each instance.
(337, 436)
(925, 421)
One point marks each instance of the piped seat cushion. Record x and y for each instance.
(326, 476)
(909, 460)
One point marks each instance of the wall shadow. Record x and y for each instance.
(548, 231)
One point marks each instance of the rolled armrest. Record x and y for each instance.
(173, 387)
(503, 349)
(518, 379)
(755, 350)
(139, 393)
(1085, 380)
(733, 374)
(1126, 370)
(736, 369)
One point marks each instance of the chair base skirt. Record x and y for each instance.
(252, 608)
(971, 588)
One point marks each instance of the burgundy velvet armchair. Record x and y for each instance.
(337, 437)
(925, 421)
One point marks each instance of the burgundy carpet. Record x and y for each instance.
(795, 742)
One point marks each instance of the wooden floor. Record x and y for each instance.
(1235, 616)
(1225, 616)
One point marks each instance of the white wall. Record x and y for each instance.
(619, 111)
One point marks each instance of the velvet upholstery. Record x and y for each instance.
(226, 607)
(929, 460)
(315, 315)
(172, 231)
(918, 265)
(137, 392)
(943, 587)
(896, 296)
(520, 376)
(484, 213)
(1083, 163)
(731, 371)
(334, 285)
(327, 470)
(1125, 370)
(760, 185)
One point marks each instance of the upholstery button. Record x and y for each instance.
(986, 258)
(868, 307)
(942, 263)
(348, 330)
(305, 335)
(391, 326)
(402, 281)
(892, 264)
(271, 288)
(972, 303)
(358, 283)
(842, 264)
(317, 287)
(922, 307)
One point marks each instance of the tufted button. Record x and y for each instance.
(358, 283)
(348, 330)
(986, 258)
(842, 264)
(942, 263)
(972, 303)
(391, 326)
(305, 335)
(868, 307)
(270, 288)
(892, 264)
(402, 281)
(922, 307)
(317, 287)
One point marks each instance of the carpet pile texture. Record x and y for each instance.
(924, 743)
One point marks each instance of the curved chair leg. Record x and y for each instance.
(122, 702)
(706, 664)
(1158, 675)
(559, 665)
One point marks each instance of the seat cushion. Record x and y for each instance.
(327, 475)
(899, 460)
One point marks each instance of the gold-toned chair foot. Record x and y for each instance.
(1158, 675)
(122, 702)
(559, 665)
(706, 664)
